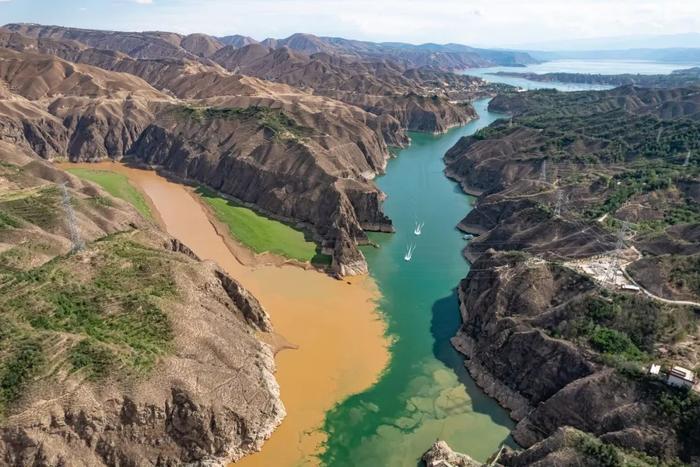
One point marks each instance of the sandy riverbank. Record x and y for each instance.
(340, 346)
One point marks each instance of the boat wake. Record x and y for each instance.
(409, 252)
(419, 228)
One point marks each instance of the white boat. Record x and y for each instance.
(467, 236)
(419, 228)
(409, 253)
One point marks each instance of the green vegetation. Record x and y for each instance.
(39, 206)
(8, 221)
(608, 455)
(99, 317)
(260, 233)
(117, 185)
(602, 454)
(623, 327)
(610, 341)
(22, 359)
(646, 178)
(595, 127)
(94, 357)
(281, 125)
(685, 273)
(682, 408)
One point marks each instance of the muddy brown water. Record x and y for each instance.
(334, 342)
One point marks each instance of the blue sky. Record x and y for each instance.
(474, 22)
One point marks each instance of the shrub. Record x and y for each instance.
(610, 341)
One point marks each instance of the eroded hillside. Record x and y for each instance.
(585, 272)
(119, 346)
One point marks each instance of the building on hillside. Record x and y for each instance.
(655, 369)
(681, 377)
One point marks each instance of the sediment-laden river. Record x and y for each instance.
(339, 340)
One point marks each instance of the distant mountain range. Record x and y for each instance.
(156, 44)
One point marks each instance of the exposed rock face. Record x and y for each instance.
(421, 100)
(307, 178)
(441, 455)
(214, 400)
(492, 307)
(61, 109)
(445, 57)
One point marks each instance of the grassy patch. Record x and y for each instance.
(39, 206)
(7, 221)
(22, 360)
(607, 455)
(96, 358)
(260, 233)
(100, 316)
(281, 125)
(117, 185)
(624, 328)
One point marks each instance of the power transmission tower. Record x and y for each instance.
(658, 135)
(543, 171)
(78, 243)
(619, 247)
(687, 160)
(560, 203)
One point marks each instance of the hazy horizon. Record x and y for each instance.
(484, 23)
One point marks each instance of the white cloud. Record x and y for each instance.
(475, 22)
(490, 22)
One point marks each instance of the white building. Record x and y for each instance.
(655, 369)
(681, 377)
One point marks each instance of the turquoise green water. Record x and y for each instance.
(426, 392)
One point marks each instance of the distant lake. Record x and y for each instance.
(604, 67)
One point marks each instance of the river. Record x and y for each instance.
(426, 392)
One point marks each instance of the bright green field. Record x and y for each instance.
(260, 233)
(116, 185)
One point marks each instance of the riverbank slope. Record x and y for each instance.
(321, 321)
